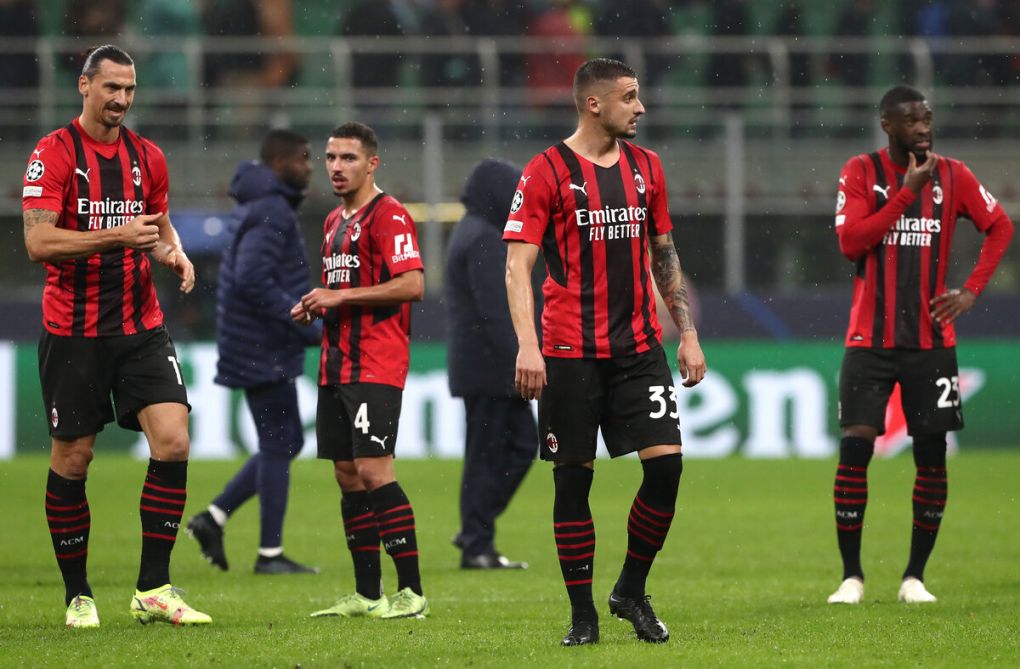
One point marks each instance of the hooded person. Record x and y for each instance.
(263, 272)
(501, 437)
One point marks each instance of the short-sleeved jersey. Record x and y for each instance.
(367, 344)
(593, 224)
(900, 242)
(95, 186)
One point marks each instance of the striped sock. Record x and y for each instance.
(363, 542)
(67, 514)
(395, 519)
(931, 487)
(651, 515)
(850, 494)
(161, 508)
(574, 532)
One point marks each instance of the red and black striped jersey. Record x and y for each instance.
(367, 344)
(900, 242)
(593, 224)
(96, 186)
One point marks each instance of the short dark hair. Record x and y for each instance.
(280, 143)
(897, 96)
(359, 131)
(598, 69)
(95, 56)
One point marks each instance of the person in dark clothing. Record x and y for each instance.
(263, 272)
(501, 433)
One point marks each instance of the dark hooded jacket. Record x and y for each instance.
(482, 345)
(263, 273)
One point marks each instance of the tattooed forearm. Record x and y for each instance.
(34, 243)
(33, 217)
(670, 280)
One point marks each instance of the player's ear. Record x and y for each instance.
(593, 104)
(83, 84)
(373, 163)
(886, 126)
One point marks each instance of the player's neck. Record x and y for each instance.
(357, 200)
(97, 131)
(898, 155)
(594, 144)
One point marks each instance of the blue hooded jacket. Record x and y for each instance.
(481, 343)
(263, 273)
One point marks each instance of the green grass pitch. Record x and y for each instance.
(742, 581)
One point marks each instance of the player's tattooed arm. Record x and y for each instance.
(673, 288)
(46, 242)
(669, 278)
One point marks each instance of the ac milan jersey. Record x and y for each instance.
(593, 224)
(367, 344)
(95, 186)
(900, 242)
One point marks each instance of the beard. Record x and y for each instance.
(112, 122)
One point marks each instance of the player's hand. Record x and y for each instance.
(174, 258)
(918, 175)
(141, 232)
(952, 304)
(320, 299)
(690, 359)
(529, 376)
(300, 315)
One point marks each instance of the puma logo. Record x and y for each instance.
(842, 181)
(883, 191)
(381, 442)
(400, 218)
(583, 188)
(38, 153)
(85, 174)
(524, 180)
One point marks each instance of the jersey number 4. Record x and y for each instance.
(361, 418)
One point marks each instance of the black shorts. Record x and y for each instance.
(632, 398)
(79, 375)
(929, 388)
(357, 420)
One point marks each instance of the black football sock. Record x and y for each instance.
(574, 532)
(850, 493)
(363, 541)
(162, 505)
(395, 519)
(67, 514)
(651, 515)
(930, 492)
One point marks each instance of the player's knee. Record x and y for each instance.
(373, 473)
(930, 450)
(664, 472)
(347, 475)
(71, 460)
(856, 451)
(865, 432)
(172, 447)
(565, 466)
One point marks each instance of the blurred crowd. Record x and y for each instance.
(551, 20)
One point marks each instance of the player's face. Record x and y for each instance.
(348, 164)
(909, 126)
(619, 107)
(109, 93)
(296, 169)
